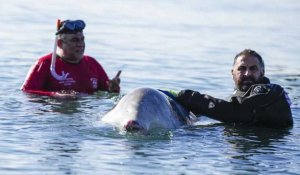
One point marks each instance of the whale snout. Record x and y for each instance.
(133, 126)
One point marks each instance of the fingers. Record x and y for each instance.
(118, 74)
(62, 95)
(114, 84)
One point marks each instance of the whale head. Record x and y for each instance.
(147, 110)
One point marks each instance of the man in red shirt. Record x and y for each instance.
(67, 72)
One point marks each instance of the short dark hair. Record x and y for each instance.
(249, 52)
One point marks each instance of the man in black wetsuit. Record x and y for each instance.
(255, 100)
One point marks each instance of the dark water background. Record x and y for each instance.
(159, 44)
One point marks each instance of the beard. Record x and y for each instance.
(246, 82)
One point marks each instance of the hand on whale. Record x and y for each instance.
(148, 110)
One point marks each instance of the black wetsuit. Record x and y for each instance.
(262, 105)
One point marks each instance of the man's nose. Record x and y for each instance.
(248, 72)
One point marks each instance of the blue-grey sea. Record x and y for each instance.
(166, 44)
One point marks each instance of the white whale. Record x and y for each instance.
(148, 110)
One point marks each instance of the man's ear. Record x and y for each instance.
(59, 43)
(232, 74)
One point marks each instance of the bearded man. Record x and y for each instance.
(255, 100)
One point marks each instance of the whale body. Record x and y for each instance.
(148, 110)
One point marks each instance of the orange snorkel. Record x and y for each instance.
(57, 24)
(53, 60)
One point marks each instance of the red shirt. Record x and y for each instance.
(87, 76)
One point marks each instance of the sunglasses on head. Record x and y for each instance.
(71, 26)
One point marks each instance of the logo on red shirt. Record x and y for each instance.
(94, 82)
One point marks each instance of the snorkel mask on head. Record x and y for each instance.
(70, 26)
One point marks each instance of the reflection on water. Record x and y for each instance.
(256, 150)
(71, 106)
(249, 139)
(63, 106)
